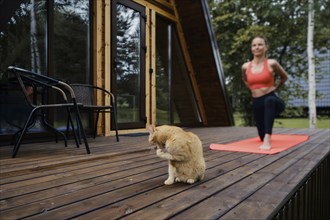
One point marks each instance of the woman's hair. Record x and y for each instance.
(262, 37)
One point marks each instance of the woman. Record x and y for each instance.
(259, 76)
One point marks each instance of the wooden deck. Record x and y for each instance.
(125, 179)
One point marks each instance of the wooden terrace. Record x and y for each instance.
(125, 180)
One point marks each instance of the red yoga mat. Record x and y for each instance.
(279, 142)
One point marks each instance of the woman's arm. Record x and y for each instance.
(244, 68)
(278, 69)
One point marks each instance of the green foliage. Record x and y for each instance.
(283, 23)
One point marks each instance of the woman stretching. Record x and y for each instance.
(259, 76)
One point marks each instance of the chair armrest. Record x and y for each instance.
(95, 89)
(45, 80)
(112, 97)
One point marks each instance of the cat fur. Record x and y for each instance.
(182, 149)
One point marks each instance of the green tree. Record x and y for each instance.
(284, 23)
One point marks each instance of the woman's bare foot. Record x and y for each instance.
(266, 144)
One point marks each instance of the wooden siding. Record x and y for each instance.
(197, 48)
(125, 180)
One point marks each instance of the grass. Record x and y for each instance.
(322, 122)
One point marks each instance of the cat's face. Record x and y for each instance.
(152, 134)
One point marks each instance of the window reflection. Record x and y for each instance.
(22, 43)
(22, 35)
(70, 40)
(162, 72)
(128, 64)
(57, 45)
(70, 48)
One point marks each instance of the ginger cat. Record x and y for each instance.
(182, 149)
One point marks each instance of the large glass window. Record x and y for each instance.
(22, 44)
(176, 102)
(50, 37)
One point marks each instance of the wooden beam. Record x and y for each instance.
(157, 9)
(148, 67)
(107, 63)
(98, 71)
(153, 67)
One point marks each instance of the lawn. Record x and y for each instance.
(322, 122)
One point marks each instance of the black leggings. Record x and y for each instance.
(265, 109)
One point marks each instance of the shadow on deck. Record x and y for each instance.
(125, 180)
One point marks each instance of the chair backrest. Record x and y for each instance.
(84, 93)
(87, 94)
(26, 76)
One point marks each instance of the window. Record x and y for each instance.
(49, 37)
(176, 102)
(128, 63)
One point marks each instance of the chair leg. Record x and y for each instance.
(55, 131)
(114, 116)
(67, 124)
(96, 120)
(72, 126)
(78, 130)
(24, 130)
(81, 126)
(14, 138)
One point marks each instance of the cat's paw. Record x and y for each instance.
(169, 181)
(158, 152)
(190, 181)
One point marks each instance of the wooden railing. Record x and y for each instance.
(312, 198)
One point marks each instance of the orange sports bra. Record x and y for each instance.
(260, 80)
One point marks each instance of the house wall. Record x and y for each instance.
(102, 55)
(78, 47)
(204, 67)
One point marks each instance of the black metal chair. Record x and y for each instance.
(85, 95)
(40, 84)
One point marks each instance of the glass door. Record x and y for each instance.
(128, 63)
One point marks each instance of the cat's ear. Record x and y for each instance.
(151, 129)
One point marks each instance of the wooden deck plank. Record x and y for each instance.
(31, 174)
(85, 183)
(144, 200)
(196, 195)
(232, 196)
(132, 188)
(125, 179)
(67, 188)
(35, 155)
(55, 173)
